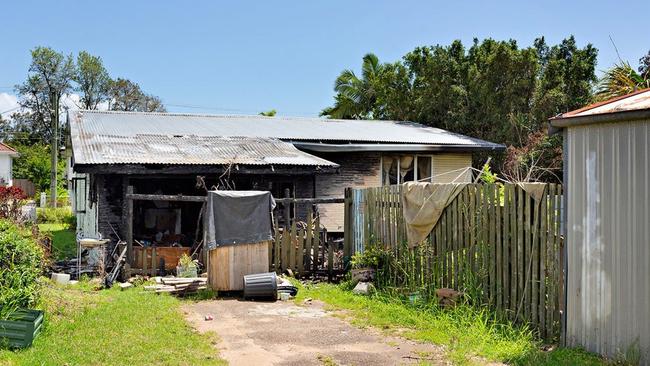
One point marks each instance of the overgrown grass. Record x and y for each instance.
(113, 327)
(466, 332)
(63, 240)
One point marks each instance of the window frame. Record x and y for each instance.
(415, 167)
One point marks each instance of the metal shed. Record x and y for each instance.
(607, 180)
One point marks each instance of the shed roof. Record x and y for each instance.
(283, 128)
(189, 150)
(630, 106)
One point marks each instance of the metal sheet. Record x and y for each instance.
(163, 149)
(608, 238)
(85, 124)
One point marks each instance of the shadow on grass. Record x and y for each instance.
(63, 240)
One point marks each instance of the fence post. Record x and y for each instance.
(330, 259)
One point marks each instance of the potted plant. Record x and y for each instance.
(186, 267)
(366, 263)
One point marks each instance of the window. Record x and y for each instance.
(79, 187)
(398, 169)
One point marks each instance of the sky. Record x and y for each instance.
(244, 57)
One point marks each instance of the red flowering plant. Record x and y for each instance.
(11, 200)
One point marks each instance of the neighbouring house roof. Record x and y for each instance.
(628, 107)
(6, 149)
(283, 128)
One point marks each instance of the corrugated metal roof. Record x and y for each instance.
(638, 100)
(283, 128)
(204, 150)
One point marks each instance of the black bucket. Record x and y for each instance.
(261, 285)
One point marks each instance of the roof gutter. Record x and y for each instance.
(557, 123)
(320, 147)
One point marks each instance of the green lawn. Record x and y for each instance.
(63, 240)
(113, 327)
(464, 331)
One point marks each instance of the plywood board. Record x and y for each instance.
(228, 265)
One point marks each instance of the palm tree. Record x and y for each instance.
(620, 80)
(355, 96)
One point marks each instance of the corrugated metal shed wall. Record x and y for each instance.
(608, 238)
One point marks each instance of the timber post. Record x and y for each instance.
(129, 225)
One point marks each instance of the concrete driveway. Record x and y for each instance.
(282, 333)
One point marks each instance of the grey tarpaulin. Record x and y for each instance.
(422, 205)
(236, 217)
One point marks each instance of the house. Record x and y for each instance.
(607, 183)
(164, 153)
(7, 155)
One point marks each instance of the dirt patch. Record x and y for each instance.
(282, 333)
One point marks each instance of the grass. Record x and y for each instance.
(63, 240)
(113, 327)
(467, 333)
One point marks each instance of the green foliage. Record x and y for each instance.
(64, 244)
(622, 79)
(465, 331)
(127, 95)
(487, 176)
(92, 80)
(56, 215)
(372, 256)
(34, 164)
(21, 260)
(50, 73)
(495, 90)
(270, 113)
(114, 327)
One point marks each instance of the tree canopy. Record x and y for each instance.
(493, 90)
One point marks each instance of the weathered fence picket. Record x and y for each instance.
(495, 242)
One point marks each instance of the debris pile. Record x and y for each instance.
(177, 285)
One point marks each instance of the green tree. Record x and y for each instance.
(127, 95)
(356, 96)
(50, 75)
(34, 164)
(622, 79)
(269, 113)
(494, 90)
(93, 81)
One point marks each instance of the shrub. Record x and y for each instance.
(56, 215)
(21, 260)
(11, 199)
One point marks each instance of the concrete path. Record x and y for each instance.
(281, 333)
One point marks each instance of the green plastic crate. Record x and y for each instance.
(22, 327)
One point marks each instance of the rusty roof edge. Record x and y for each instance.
(610, 117)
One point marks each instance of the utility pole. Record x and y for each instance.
(54, 98)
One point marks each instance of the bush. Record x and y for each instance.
(55, 215)
(11, 199)
(21, 260)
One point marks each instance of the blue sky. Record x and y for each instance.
(245, 57)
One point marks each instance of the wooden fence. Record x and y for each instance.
(496, 243)
(305, 248)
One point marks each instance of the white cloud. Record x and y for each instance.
(8, 104)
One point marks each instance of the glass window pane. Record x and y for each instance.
(424, 168)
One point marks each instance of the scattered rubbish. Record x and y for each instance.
(284, 296)
(261, 285)
(448, 297)
(209, 317)
(363, 288)
(285, 286)
(178, 286)
(61, 278)
(125, 285)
